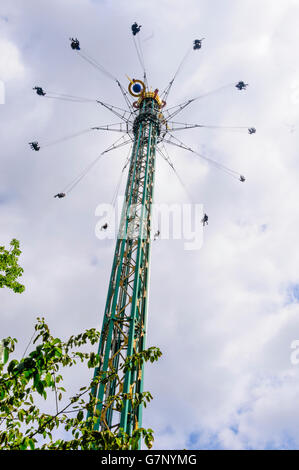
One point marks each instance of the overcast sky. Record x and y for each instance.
(224, 316)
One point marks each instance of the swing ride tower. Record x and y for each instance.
(125, 316)
(147, 124)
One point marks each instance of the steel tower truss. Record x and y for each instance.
(125, 317)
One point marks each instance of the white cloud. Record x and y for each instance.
(11, 65)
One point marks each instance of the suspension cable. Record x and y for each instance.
(120, 178)
(106, 72)
(183, 126)
(143, 61)
(218, 165)
(96, 64)
(168, 160)
(165, 93)
(140, 58)
(174, 110)
(62, 96)
(69, 187)
(70, 136)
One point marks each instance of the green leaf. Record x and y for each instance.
(48, 379)
(31, 444)
(11, 366)
(24, 444)
(58, 352)
(40, 387)
(5, 355)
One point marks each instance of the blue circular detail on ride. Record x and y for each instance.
(136, 88)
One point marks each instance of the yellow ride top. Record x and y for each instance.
(150, 94)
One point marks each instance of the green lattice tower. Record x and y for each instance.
(125, 317)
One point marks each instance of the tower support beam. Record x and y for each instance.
(125, 316)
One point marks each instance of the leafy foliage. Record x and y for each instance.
(10, 271)
(26, 383)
